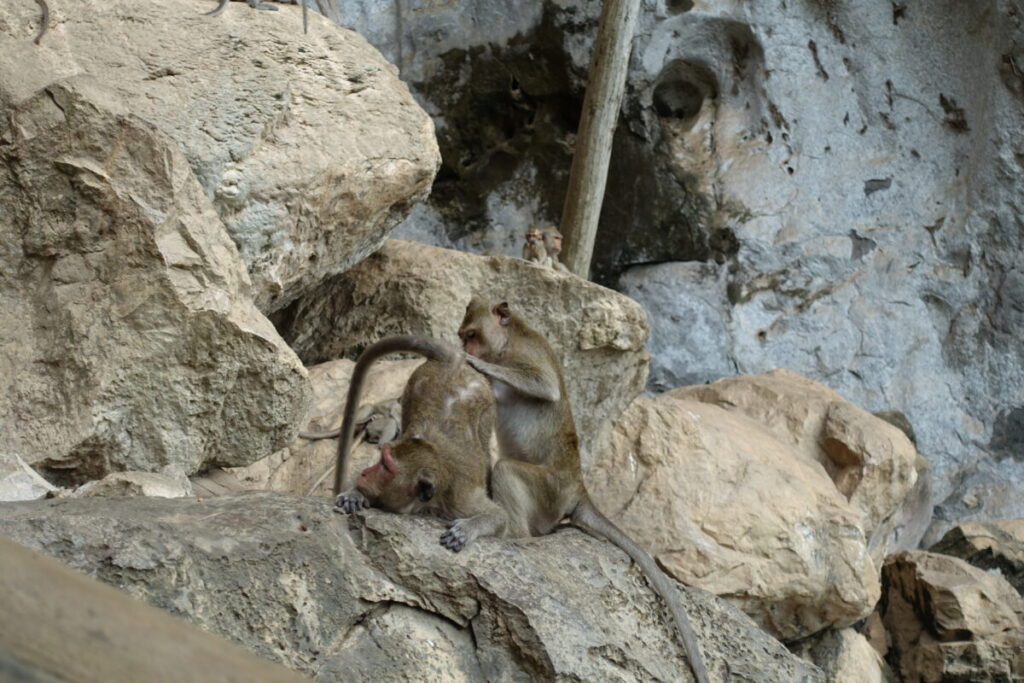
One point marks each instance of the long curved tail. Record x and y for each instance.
(431, 349)
(588, 518)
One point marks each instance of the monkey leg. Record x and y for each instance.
(531, 495)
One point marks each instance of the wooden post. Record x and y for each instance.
(589, 174)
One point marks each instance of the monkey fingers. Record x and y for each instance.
(455, 538)
(350, 502)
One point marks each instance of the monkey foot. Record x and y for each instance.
(350, 502)
(455, 538)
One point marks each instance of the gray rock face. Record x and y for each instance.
(331, 596)
(309, 146)
(128, 338)
(843, 179)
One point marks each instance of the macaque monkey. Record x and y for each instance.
(553, 245)
(534, 250)
(537, 480)
(439, 462)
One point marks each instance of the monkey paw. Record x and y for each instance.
(455, 538)
(350, 502)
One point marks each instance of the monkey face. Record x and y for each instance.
(483, 331)
(533, 237)
(553, 240)
(402, 481)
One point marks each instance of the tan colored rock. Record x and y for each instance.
(870, 461)
(310, 146)
(410, 288)
(991, 546)
(128, 338)
(951, 621)
(304, 463)
(130, 484)
(724, 504)
(846, 657)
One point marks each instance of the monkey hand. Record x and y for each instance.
(455, 538)
(349, 502)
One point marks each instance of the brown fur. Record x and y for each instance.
(538, 481)
(534, 250)
(438, 464)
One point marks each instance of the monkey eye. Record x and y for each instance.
(469, 334)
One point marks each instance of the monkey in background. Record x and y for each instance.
(553, 245)
(534, 250)
(439, 462)
(538, 482)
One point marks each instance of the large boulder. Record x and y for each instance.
(871, 462)
(324, 593)
(995, 546)
(949, 621)
(409, 288)
(128, 336)
(309, 146)
(846, 657)
(725, 504)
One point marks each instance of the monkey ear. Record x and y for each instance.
(425, 485)
(503, 313)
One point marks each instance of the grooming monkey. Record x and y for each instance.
(537, 481)
(439, 462)
(553, 245)
(534, 250)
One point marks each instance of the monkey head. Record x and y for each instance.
(483, 330)
(533, 236)
(553, 241)
(403, 480)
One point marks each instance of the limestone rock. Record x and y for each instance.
(725, 504)
(18, 481)
(872, 463)
(409, 288)
(993, 546)
(129, 339)
(304, 463)
(127, 484)
(951, 621)
(846, 657)
(313, 589)
(309, 146)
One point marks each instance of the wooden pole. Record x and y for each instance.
(589, 174)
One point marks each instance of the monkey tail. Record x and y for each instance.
(588, 518)
(431, 349)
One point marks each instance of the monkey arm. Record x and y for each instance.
(532, 382)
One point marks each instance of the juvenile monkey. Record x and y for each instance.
(439, 462)
(553, 245)
(376, 422)
(534, 250)
(538, 481)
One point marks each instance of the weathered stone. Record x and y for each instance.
(126, 484)
(306, 467)
(991, 546)
(309, 146)
(873, 464)
(129, 339)
(846, 657)
(409, 288)
(725, 504)
(950, 621)
(18, 481)
(297, 583)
